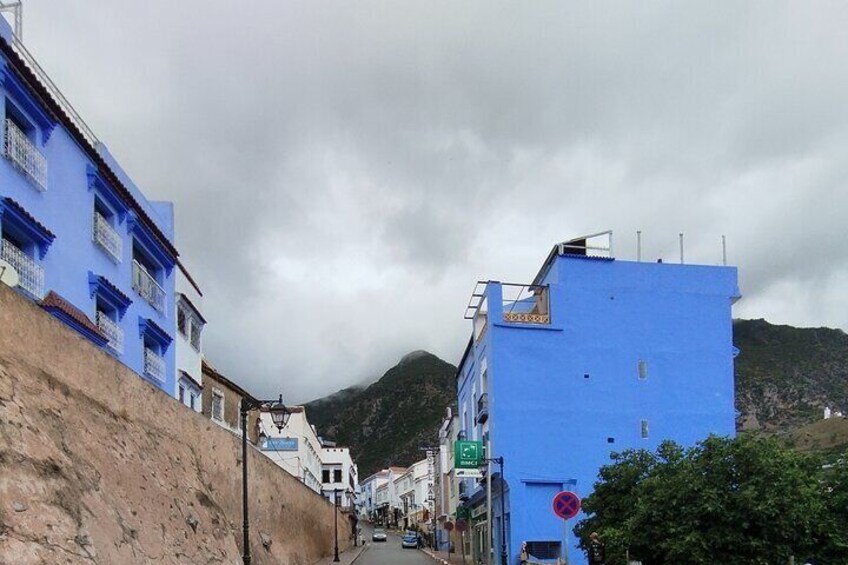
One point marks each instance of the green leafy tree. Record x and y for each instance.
(742, 500)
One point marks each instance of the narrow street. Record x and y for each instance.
(390, 552)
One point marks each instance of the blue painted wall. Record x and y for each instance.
(66, 208)
(559, 392)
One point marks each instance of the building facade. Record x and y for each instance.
(388, 510)
(296, 448)
(596, 355)
(339, 475)
(446, 499)
(84, 240)
(368, 492)
(188, 344)
(222, 403)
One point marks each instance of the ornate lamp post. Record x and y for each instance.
(500, 462)
(280, 416)
(336, 522)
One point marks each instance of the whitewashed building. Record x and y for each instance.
(339, 473)
(296, 448)
(368, 492)
(189, 345)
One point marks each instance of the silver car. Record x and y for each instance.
(378, 535)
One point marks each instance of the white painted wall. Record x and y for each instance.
(305, 462)
(188, 358)
(333, 458)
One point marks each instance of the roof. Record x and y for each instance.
(398, 470)
(12, 203)
(43, 94)
(189, 378)
(188, 277)
(188, 301)
(54, 303)
(212, 372)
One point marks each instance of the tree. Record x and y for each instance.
(744, 500)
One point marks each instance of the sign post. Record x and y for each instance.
(449, 529)
(566, 505)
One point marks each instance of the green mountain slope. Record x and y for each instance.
(785, 376)
(385, 423)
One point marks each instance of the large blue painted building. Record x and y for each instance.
(596, 355)
(85, 242)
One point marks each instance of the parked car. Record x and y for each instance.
(379, 535)
(409, 541)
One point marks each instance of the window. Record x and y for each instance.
(644, 429)
(104, 233)
(181, 394)
(217, 406)
(544, 549)
(182, 321)
(147, 279)
(24, 242)
(325, 476)
(195, 334)
(337, 476)
(192, 401)
(21, 149)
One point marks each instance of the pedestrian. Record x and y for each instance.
(597, 551)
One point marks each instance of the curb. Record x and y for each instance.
(436, 557)
(361, 551)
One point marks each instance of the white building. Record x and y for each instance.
(296, 448)
(189, 346)
(387, 506)
(413, 491)
(339, 473)
(368, 492)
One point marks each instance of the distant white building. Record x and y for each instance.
(189, 345)
(413, 492)
(387, 506)
(339, 473)
(296, 448)
(368, 492)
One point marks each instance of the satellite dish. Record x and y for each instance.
(8, 274)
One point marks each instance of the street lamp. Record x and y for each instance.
(336, 522)
(280, 416)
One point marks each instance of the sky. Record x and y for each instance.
(343, 172)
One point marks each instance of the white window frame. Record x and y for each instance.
(220, 395)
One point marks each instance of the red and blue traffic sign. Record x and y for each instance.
(566, 504)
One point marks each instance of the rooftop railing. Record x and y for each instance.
(526, 303)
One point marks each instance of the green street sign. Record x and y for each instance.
(463, 513)
(468, 454)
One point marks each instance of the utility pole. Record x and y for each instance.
(500, 462)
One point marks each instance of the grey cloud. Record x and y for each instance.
(344, 172)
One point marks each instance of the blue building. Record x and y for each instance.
(85, 242)
(595, 355)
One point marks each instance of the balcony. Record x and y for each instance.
(147, 287)
(483, 408)
(112, 331)
(526, 304)
(21, 151)
(30, 273)
(154, 365)
(107, 238)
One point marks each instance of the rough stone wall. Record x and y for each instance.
(96, 466)
(232, 405)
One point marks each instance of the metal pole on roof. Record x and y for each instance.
(17, 10)
(639, 245)
(681, 248)
(724, 251)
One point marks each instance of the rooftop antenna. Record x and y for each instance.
(16, 9)
(639, 246)
(724, 250)
(681, 248)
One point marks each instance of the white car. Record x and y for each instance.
(378, 535)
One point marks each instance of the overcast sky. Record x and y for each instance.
(343, 171)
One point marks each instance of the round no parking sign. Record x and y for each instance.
(566, 504)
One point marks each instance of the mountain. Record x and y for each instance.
(785, 376)
(386, 422)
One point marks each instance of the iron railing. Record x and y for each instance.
(146, 286)
(107, 238)
(525, 303)
(22, 152)
(112, 331)
(154, 365)
(483, 408)
(30, 273)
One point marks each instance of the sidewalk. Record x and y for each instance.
(442, 557)
(345, 558)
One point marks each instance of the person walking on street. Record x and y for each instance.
(597, 551)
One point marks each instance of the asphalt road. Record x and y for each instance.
(391, 553)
